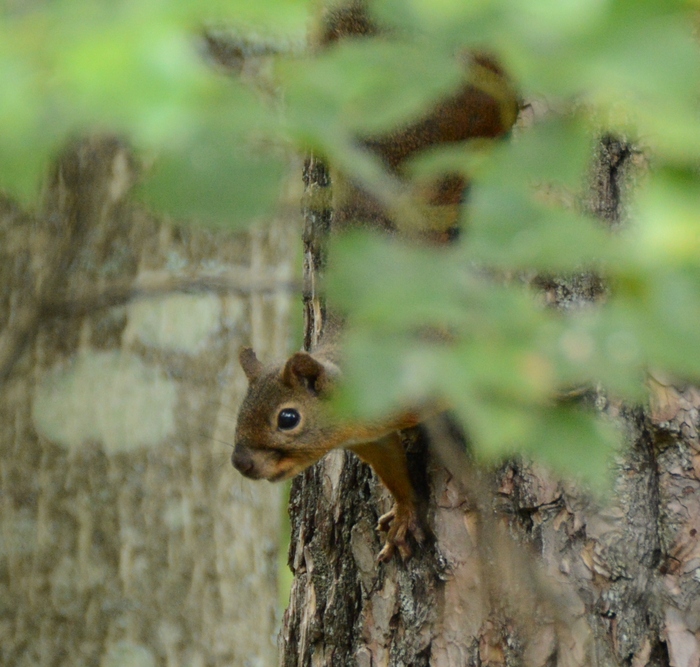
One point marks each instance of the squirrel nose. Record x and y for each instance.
(242, 461)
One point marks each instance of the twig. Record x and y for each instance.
(25, 326)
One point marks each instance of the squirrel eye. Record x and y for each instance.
(288, 418)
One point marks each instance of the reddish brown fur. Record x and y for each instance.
(347, 20)
(265, 451)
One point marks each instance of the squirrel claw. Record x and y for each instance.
(397, 524)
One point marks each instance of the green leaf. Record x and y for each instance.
(366, 86)
(576, 443)
(509, 229)
(596, 346)
(565, 438)
(361, 262)
(216, 181)
(135, 69)
(664, 319)
(667, 229)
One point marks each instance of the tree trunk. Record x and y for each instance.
(524, 568)
(127, 538)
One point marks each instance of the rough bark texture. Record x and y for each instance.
(127, 538)
(525, 569)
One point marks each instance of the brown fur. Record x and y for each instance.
(263, 450)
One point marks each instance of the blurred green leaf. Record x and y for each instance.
(215, 182)
(508, 229)
(556, 151)
(576, 442)
(660, 315)
(366, 86)
(362, 262)
(137, 69)
(591, 347)
(458, 322)
(667, 222)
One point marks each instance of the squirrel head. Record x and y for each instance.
(283, 425)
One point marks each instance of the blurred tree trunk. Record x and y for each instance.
(127, 538)
(526, 569)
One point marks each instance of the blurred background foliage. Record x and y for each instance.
(214, 149)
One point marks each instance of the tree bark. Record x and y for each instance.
(525, 568)
(127, 538)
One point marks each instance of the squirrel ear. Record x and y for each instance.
(304, 369)
(249, 363)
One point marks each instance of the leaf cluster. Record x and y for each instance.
(626, 67)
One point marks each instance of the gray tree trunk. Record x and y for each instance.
(126, 536)
(525, 569)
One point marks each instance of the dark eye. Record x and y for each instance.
(288, 418)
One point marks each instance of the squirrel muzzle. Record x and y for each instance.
(274, 466)
(244, 462)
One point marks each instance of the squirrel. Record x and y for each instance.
(284, 423)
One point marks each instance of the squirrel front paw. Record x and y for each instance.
(397, 524)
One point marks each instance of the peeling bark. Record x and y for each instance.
(524, 568)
